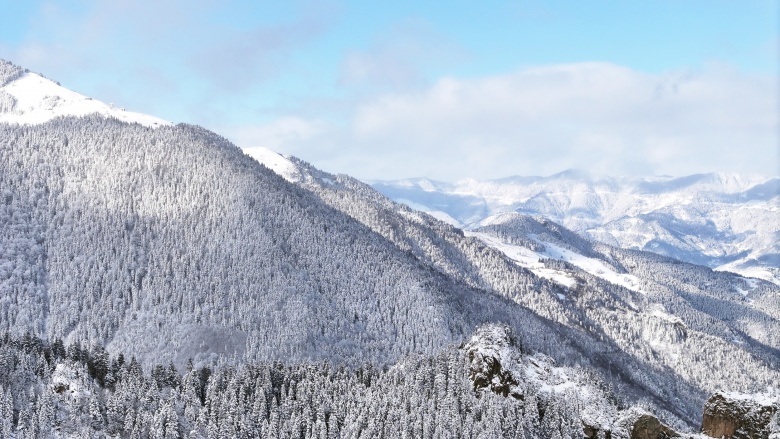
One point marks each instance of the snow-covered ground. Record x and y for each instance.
(70, 380)
(768, 398)
(275, 162)
(530, 259)
(35, 99)
(538, 372)
(38, 100)
(526, 258)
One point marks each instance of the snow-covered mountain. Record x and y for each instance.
(30, 98)
(638, 300)
(165, 243)
(724, 221)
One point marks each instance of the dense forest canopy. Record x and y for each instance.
(187, 290)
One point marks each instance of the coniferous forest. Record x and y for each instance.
(158, 282)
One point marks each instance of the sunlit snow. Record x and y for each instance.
(275, 162)
(531, 260)
(39, 100)
(768, 398)
(727, 222)
(438, 214)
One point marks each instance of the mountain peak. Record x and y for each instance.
(29, 98)
(572, 174)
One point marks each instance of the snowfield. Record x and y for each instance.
(530, 259)
(275, 162)
(38, 100)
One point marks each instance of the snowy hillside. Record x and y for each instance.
(663, 314)
(48, 391)
(724, 221)
(275, 162)
(30, 98)
(668, 287)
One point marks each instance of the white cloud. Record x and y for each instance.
(596, 116)
(399, 57)
(283, 135)
(163, 58)
(599, 117)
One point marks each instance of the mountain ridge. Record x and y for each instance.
(31, 98)
(723, 220)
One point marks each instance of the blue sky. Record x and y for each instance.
(446, 90)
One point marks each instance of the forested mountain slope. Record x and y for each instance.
(741, 311)
(725, 296)
(166, 243)
(671, 328)
(489, 387)
(172, 243)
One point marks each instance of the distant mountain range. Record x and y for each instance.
(306, 304)
(727, 222)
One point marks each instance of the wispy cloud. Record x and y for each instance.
(166, 55)
(398, 58)
(242, 59)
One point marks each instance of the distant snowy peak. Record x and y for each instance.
(32, 99)
(275, 162)
(724, 221)
(518, 187)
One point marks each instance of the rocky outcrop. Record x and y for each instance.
(591, 432)
(738, 416)
(486, 351)
(649, 427)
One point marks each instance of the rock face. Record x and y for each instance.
(590, 432)
(649, 427)
(738, 416)
(486, 352)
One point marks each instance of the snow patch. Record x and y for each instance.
(275, 162)
(531, 260)
(526, 258)
(753, 273)
(659, 312)
(769, 398)
(39, 100)
(591, 265)
(70, 381)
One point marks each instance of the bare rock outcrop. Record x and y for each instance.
(488, 351)
(739, 416)
(649, 427)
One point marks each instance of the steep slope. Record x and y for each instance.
(684, 313)
(171, 242)
(168, 243)
(30, 98)
(727, 222)
(618, 327)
